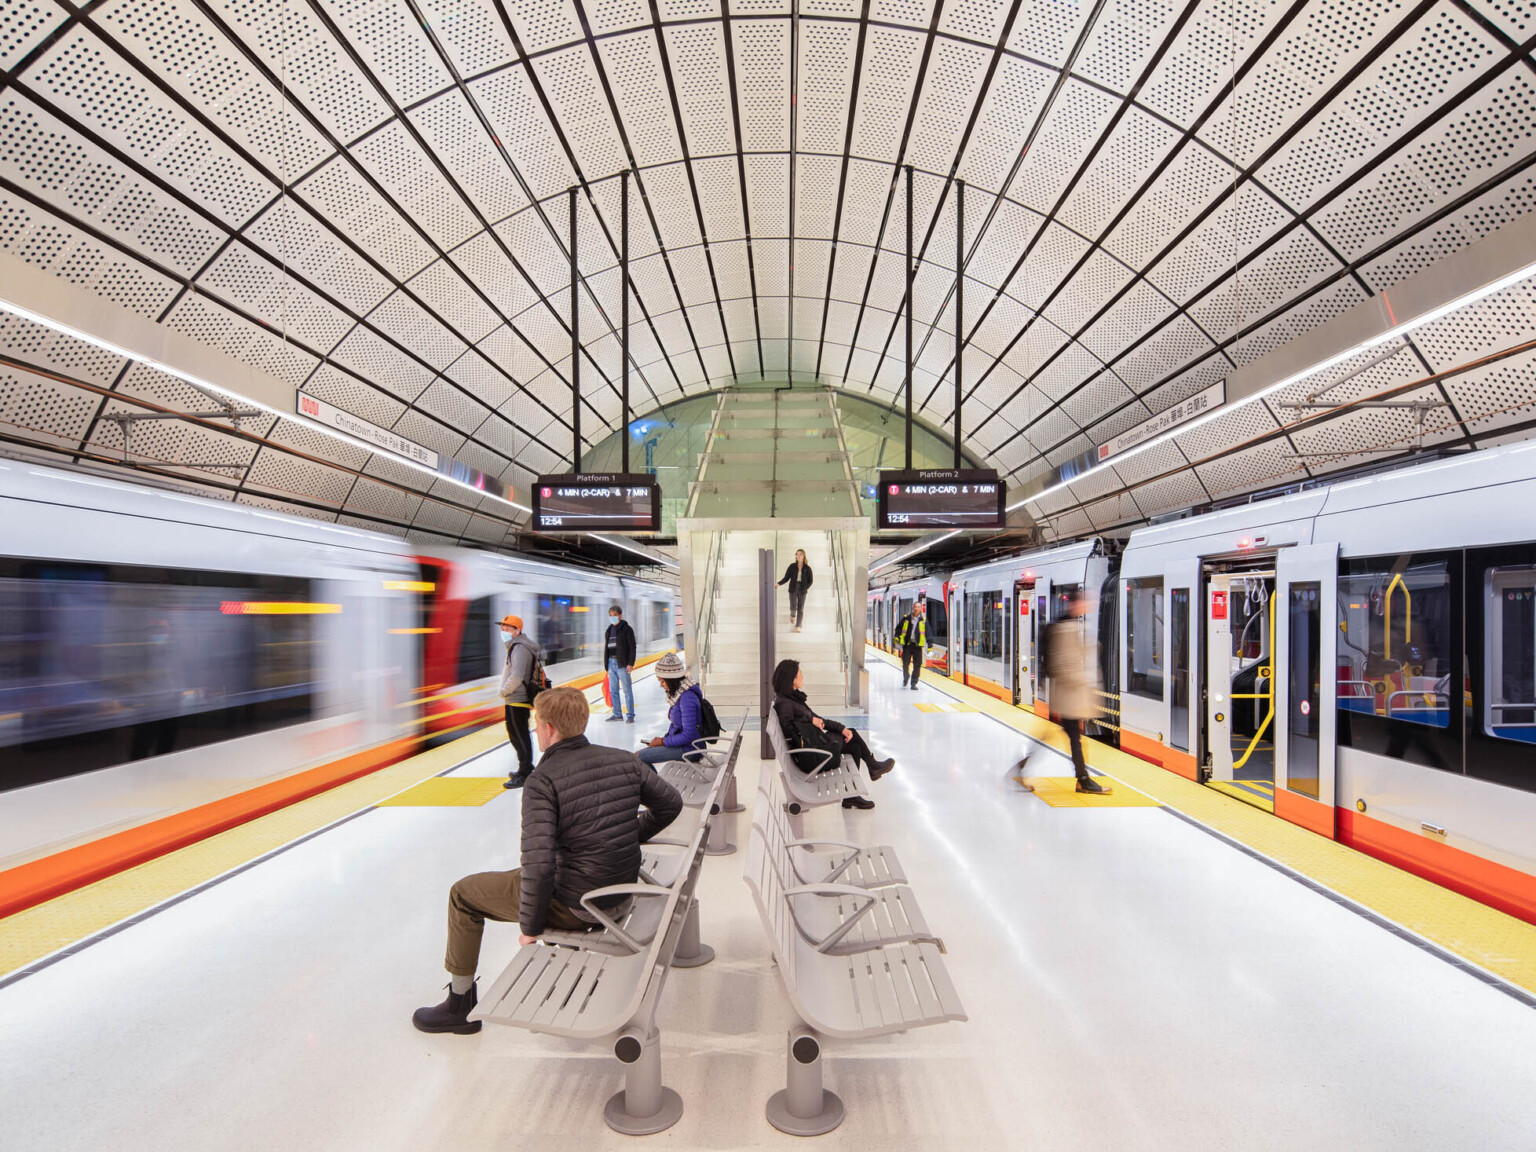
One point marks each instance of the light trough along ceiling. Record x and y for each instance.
(368, 199)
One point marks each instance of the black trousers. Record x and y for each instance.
(797, 606)
(854, 744)
(1074, 730)
(911, 654)
(521, 738)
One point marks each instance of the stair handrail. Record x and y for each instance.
(840, 595)
(706, 610)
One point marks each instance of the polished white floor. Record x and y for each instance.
(1132, 983)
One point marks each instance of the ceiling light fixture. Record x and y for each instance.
(899, 555)
(1393, 333)
(656, 556)
(207, 385)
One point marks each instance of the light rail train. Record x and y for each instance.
(160, 651)
(1359, 659)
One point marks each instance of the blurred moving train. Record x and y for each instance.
(1359, 659)
(159, 650)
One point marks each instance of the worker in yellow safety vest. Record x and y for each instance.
(912, 639)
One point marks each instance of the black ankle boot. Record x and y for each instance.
(452, 1015)
(858, 802)
(517, 779)
(879, 768)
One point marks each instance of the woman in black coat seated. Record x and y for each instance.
(804, 729)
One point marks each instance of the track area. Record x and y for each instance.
(1109, 959)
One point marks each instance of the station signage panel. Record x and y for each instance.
(940, 498)
(597, 502)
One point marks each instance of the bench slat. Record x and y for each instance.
(906, 971)
(591, 972)
(554, 1003)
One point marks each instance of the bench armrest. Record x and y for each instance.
(670, 843)
(822, 752)
(845, 926)
(834, 873)
(621, 890)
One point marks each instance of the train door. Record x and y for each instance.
(957, 632)
(1240, 684)
(1025, 644)
(1306, 655)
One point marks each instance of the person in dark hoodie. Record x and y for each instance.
(619, 659)
(580, 832)
(804, 729)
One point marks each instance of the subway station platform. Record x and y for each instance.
(1134, 978)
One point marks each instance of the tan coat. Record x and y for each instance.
(1073, 670)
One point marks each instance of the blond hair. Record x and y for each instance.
(564, 709)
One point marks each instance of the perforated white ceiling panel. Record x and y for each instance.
(369, 199)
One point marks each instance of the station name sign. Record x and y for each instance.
(1181, 413)
(940, 498)
(597, 502)
(333, 417)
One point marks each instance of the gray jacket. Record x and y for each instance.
(580, 825)
(521, 654)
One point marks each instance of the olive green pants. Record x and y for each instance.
(491, 896)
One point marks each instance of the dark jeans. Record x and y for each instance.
(796, 606)
(518, 734)
(854, 744)
(1074, 730)
(911, 654)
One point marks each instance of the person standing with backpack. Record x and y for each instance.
(686, 714)
(522, 676)
(912, 639)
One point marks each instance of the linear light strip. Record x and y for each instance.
(1393, 333)
(654, 556)
(198, 382)
(898, 555)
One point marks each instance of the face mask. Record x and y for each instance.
(615, 619)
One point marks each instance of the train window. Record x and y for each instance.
(1509, 648)
(1303, 623)
(1144, 636)
(475, 642)
(1061, 599)
(661, 623)
(102, 664)
(563, 628)
(984, 617)
(1178, 735)
(1395, 646)
(938, 623)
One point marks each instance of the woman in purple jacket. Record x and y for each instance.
(684, 713)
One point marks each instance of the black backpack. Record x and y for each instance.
(537, 680)
(709, 723)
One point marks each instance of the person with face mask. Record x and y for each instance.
(522, 657)
(619, 659)
(586, 811)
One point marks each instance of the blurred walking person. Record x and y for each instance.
(1072, 672)
(619, 659)
(517, 692)
(912, 640)
(798, 576)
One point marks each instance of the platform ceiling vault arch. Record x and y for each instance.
(369, 200)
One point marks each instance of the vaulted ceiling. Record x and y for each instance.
(370, 200)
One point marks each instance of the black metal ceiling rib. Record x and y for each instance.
(733, 85)
(1381, 157)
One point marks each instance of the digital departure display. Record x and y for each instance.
(940, 498)
(597, 502)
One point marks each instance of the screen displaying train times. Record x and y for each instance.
(940, 498)
(597, 502)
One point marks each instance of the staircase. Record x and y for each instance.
(731, 678)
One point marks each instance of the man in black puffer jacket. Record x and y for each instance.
(582, 829)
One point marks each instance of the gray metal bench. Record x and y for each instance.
(698, 782)
(607, 982)
(834, 861)
(855, 996)
(811, 778)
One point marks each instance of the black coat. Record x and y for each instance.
(804, 580)
(625, 649)
(797, 720)
(580, 829)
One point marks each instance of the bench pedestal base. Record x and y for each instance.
(719, 842)
(803, 1107)
(691, 952)
(644, 1106)
(731, 803)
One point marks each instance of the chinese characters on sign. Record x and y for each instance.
(1181, 413)
(333, 417)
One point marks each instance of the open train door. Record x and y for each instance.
(1306, 705)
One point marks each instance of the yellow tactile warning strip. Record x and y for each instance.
(1259, 793)
(1061, 792)
(946, 706)
(40, 931)
(1483, 936)
(449, 792)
